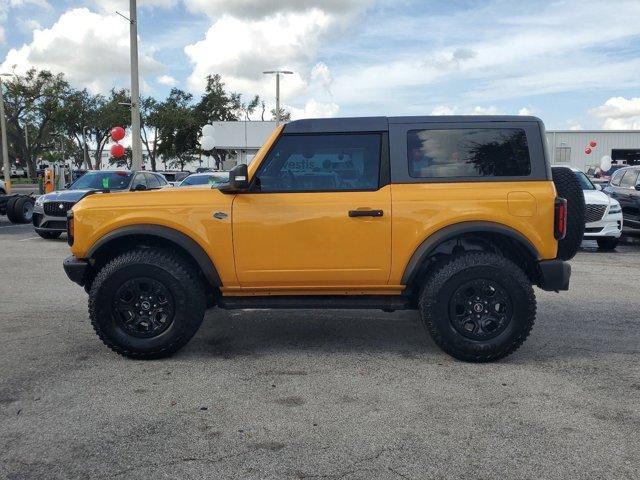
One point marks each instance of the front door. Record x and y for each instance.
(318, 214)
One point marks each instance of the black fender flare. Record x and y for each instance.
(451, 231)
(184, 241)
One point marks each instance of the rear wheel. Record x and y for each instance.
(21, 210)
(607, 243)
(478, 306)
(146, 303)
(48, 235)
(568, 187)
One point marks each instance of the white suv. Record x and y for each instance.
(603, 215)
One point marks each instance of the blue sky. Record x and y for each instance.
(573, 63)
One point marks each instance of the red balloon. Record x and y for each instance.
(117, 133)
(593, 144)
(587, 150)
(117, 150)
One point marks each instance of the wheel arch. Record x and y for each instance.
(148, 234)
(430, 245)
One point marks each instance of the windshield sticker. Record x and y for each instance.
(105, 182)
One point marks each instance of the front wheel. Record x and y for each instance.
(146, 303)
(478, 307)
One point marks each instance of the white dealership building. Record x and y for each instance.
(573, 147)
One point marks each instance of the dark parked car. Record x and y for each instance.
(50, 212)
(625, 188)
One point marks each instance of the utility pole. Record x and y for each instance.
(136, 141)
(5, 147)
(277, 74)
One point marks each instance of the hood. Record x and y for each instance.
(63, 196)
(596, 197)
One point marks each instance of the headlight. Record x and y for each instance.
(615, 208)
(39, 201)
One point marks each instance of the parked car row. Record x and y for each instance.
(50, 210)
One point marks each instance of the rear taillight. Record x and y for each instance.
(70, 228)
(560, 223)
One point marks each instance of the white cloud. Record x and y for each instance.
(314, 109)
(92, 50)
(241, 50)
(254, 9)
(321, 73)
(167, 80)
(110, 6)
(525, 111)
(477, 110)
(619, 113)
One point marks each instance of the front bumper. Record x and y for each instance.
(554, 275)
(48, 223)
(609, 226)
(76, 269)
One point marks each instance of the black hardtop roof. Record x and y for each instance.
(375, 124)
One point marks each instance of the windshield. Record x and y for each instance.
(102, 180)
(204, 180)
(585, 183)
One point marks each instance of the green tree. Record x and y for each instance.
(80, 110)
(178, 129)
(112, 111)
(218, 105)
(32, 104)
(151, 123)
(285, 115)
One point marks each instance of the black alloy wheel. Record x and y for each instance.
(480, 309)
(143, 307)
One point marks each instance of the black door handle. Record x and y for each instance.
(365, 213)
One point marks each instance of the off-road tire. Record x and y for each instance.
(607, 243)
(48, 235)
(448, 276)
(568, 187)
(17, 210)
(180, 278)
(10, 213)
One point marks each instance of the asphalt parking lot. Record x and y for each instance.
(317, 394)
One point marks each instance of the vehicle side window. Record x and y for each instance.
(321, 162)
(615, 179)
(152, 181)
(138, 180)
(629, 179)
(471, 152)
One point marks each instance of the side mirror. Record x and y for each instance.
(140, 187)
(238, 180)
(638, 187)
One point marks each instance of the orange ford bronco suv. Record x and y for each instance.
(455, 217)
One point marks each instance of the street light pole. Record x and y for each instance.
(277, 74)
(136, 142)
(5, 147)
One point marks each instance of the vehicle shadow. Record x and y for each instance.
(254, 333)
(562, 332)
